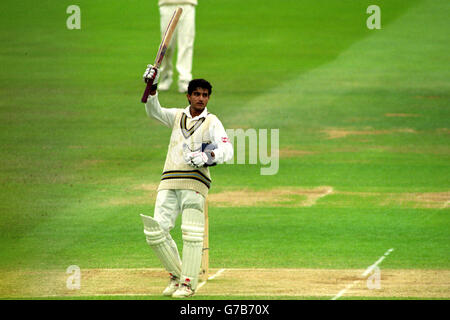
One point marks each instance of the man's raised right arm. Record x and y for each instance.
(152, 106)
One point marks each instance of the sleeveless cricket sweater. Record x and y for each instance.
(177, 174)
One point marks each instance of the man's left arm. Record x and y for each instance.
(224, 150)
(218, 151)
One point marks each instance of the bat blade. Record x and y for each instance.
(165, 42)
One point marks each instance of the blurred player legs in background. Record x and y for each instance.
(183, 39)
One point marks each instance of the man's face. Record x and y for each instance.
(198, 99)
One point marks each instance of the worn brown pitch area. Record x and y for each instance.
(320, 283)
(295, 197)
(328, 282)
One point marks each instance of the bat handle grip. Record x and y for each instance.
(147, 91)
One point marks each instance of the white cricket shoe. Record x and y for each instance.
(174, 284)
(183, 291)
(164, 83)
(163, 86)
(183, 86)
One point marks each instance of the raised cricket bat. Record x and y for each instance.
(205, 256)
(165, 42)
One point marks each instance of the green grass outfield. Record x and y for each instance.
(366, 110)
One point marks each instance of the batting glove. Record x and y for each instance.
(151, 73)
(197, 159)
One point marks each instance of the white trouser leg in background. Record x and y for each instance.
(183, 38)
(185, 44)
(166, 68)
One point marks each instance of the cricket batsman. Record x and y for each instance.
(198, 141)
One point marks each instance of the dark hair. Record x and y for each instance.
(199, 83)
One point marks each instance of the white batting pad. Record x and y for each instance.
(161, 244)
(192, 226)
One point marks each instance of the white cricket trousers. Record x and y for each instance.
(183, 37)
(170, 204)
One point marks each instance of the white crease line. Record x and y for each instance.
(218, 273)
(370, 268)
(365, 273)
(340, 293)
